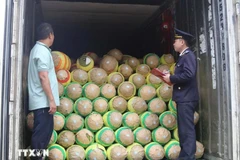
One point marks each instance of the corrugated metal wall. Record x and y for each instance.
(209, 27)
(5, 49)
(28, 43)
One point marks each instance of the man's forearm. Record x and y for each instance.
(46, 86)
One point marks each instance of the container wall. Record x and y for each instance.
(15, 103)
(216, 104)
(5, 30)
(233, 25)
(209, 25)
(29, 32)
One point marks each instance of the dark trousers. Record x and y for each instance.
(42, 130)
(186, 130)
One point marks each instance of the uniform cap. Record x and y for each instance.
(183, 35)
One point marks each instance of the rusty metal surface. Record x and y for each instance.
(214, 128)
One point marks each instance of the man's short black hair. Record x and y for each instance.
(187, 43)
(44, 30)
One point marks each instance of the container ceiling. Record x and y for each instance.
(97, 15)
(146, 2)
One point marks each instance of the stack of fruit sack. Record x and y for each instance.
(114, 108)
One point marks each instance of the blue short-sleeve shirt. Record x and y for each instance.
(41, 60)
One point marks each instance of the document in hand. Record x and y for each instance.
(160, 74)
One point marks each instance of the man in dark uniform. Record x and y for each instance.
(185, 94)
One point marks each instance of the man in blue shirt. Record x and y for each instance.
(42, 87)
(185, 94)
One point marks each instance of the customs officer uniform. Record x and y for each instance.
(185, 94)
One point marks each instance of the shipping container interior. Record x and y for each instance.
(135, 28)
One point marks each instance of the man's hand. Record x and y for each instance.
(53, 107)
(166, 77)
